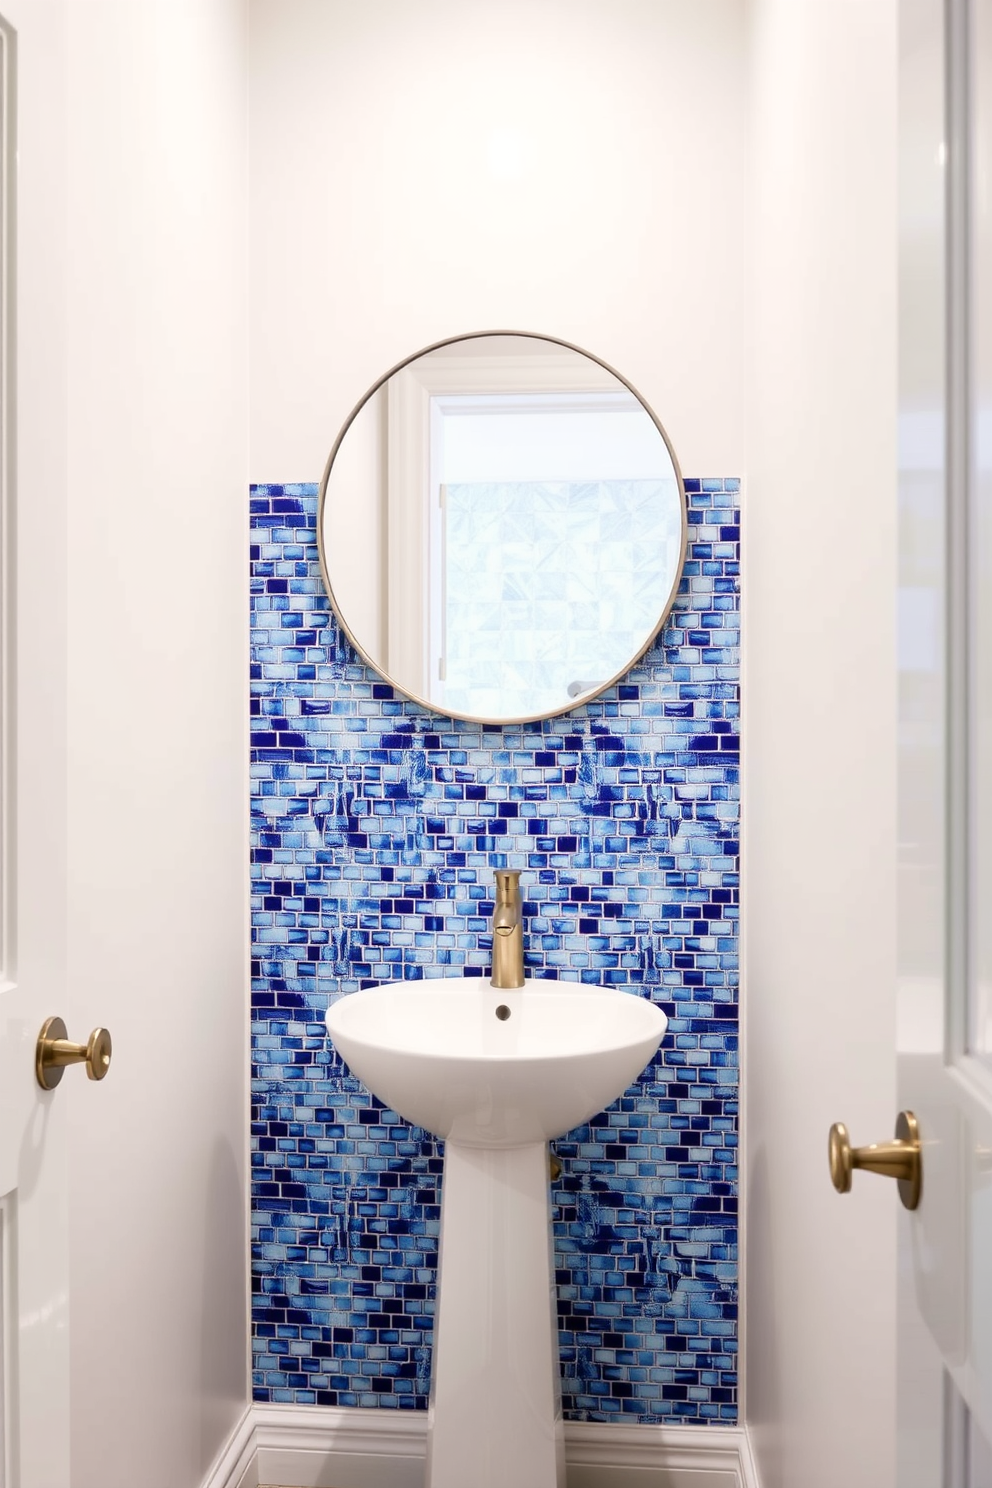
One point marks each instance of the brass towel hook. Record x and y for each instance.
(54, 1051)
(899, 1159)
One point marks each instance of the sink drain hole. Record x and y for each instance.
(502, 1012)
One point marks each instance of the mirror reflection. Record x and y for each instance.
(502, 525)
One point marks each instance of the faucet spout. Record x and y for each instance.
(508, 931)
(505, 920)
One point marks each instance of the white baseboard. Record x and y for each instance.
(234, 1466)
(321, 1447)
(749, 1467)
(327, 1447)
(601, 1455)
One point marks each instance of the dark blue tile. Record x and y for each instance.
(365, 868)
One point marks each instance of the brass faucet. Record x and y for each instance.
(508, 931)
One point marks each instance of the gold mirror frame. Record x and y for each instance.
(666, 608)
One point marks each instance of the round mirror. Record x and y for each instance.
(502, 525)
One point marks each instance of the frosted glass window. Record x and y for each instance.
(549, 582)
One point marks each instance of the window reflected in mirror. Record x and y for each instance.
(502, 527)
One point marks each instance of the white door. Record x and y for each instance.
(945, 750)
(34, 1416)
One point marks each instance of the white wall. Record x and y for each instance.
(569, 167)
(34, 770)
(820, 743)
(582, 169)
(157, 777)
(355, 522)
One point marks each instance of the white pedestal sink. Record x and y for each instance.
(496, 1074)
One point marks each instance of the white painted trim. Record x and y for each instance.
(235, 1466)
(677, 1449)
(407, 478)
(594, 400)
(749, 1467)
(313, 1446)
(326, 1428)
(8, 177)
(536, 372)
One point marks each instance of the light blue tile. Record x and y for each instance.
(374, 845)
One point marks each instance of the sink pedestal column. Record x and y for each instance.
(495, 1409)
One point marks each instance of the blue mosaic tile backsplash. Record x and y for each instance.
(377, 827)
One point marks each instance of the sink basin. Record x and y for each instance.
(491, 1068)
(496, 1074)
